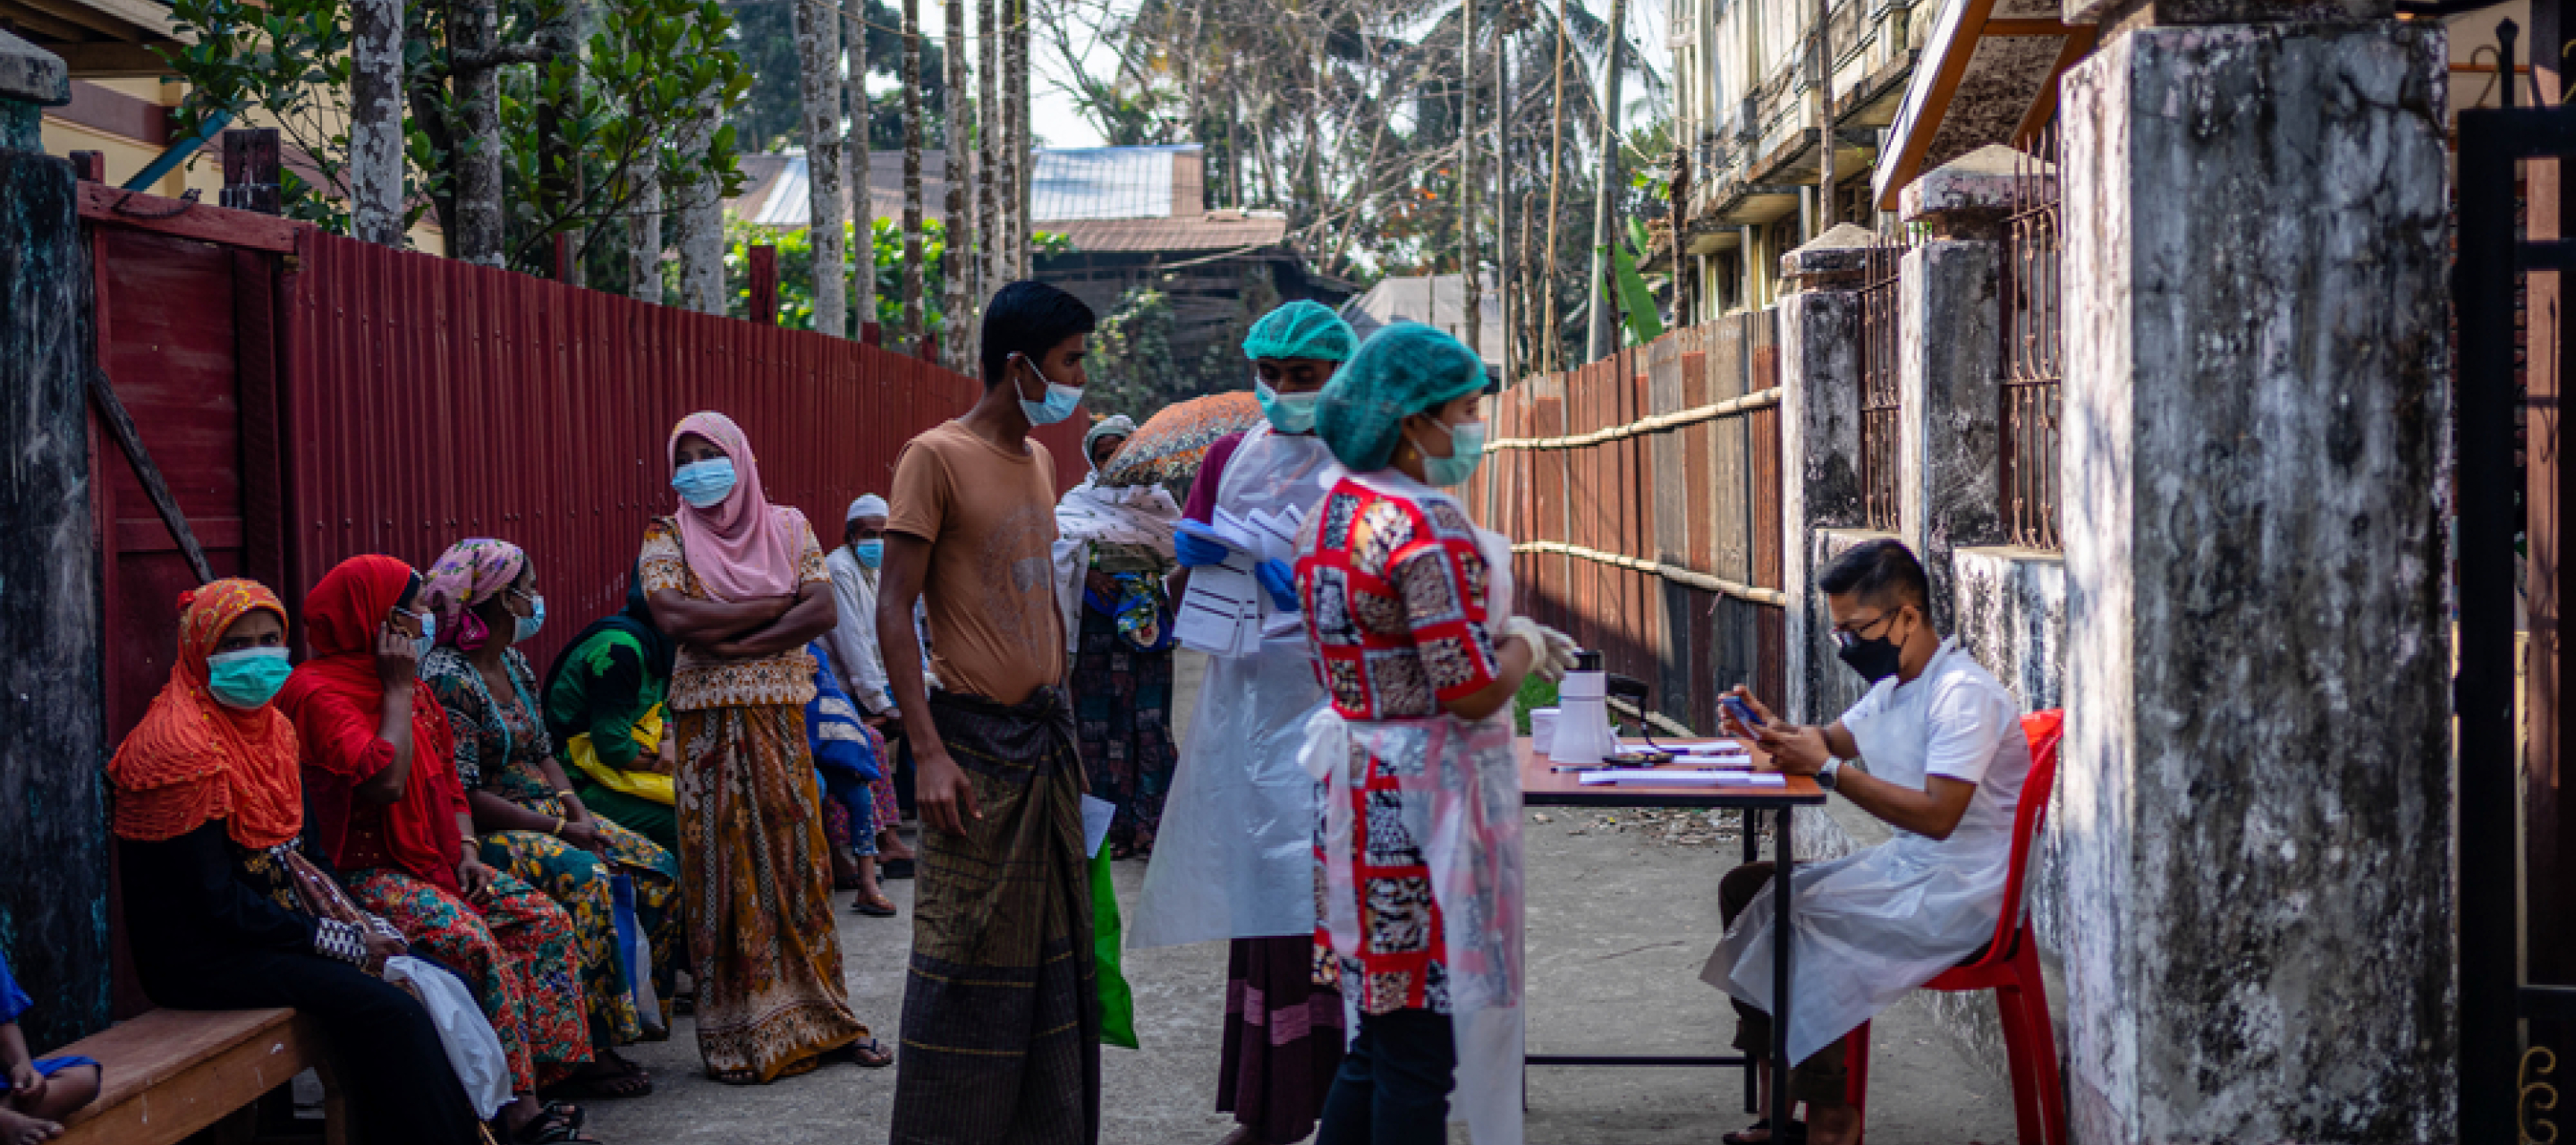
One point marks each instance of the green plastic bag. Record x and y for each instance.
(1117, 1003)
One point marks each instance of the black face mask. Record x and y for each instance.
(1875, 658)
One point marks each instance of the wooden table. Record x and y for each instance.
(1543, 787)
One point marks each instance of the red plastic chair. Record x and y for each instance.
(2009, 966)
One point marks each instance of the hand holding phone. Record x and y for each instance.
(1743, 712)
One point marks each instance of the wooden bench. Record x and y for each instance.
(170, 1073)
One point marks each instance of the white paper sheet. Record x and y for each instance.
(1096, 814)
(1674, 777)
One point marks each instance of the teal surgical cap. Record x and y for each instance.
(1404, 369)
(1300, 329)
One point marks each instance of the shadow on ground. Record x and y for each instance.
(1622, 914)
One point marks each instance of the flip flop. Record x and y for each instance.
(882, 908)
(894, 868)
(869, 1053)
(1795, 1133)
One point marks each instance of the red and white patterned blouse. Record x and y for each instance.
(1395, 598)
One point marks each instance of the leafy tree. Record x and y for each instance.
(581, 121)
(796, 269)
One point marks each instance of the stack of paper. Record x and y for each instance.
(1226, 612)
(1724, 754)
(1671, 777)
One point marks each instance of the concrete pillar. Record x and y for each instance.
(53, 828)
(31, 79)
(1819, 436)
(2254, 807)
(1947, 443)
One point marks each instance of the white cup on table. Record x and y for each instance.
(1542, 729)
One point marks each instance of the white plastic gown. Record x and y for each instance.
(1866, 929)
(1461, 797)
(1235, 857)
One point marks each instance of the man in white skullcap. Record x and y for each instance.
(853, 645)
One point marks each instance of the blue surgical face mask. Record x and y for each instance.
(870, 553)
(703, 484)
(1288, 413)
(1059, 404)
(247, 679)
(1466, 449)
(529, 625)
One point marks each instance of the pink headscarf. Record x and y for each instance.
(743, 547)
(468, 574)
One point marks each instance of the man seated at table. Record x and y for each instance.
(1944, 754)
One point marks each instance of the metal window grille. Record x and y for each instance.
(2033, 324)
(1879, 395)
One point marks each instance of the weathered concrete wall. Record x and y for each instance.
(53, 823)
(2010, 613)
(1819, 458)
(2254, 807)
(1947, 449)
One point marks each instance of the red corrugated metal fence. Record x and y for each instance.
(427, 401)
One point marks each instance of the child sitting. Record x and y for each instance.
(35, 1095)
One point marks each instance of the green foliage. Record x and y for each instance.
(1134, 368)
(796, 270)
(647, 66)
(771, 116)
(1535, 693)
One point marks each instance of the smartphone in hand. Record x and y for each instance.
(1743, 712)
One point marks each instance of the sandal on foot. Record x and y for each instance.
(869, 1053)
(1795, 1133)
(611, 1084)
(880, 908)
(559, 1124)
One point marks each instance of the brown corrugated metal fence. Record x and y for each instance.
(1657, 544)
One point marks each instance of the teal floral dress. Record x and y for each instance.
(500, 747)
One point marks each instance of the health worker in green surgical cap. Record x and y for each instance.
(1235, 858)
(1409, 618)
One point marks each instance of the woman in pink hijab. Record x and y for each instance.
(740, 585)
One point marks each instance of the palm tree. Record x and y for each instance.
(957, 130)
(854, 99)
(818, 62)
(913, 333)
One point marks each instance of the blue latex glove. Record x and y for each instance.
(1281, 582)
(1196, 544)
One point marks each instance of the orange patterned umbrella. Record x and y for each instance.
(1172, 443)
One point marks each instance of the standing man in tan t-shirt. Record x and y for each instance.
(1001, 1013)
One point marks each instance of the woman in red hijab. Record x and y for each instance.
(387, 810)
(740, 585)
(208, 806)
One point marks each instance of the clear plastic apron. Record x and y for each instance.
(1235, 855)
(1866, 929)
(1461, 797)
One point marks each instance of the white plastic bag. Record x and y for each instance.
(473, 1050)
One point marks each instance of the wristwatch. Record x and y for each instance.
(1829, 774)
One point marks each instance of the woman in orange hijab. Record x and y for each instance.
(388, 811)
(208, 805)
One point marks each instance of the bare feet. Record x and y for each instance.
(19, 1129)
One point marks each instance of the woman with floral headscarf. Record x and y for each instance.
(1114, 550)
(383, 805)
(741, 585)
(532, 825)
(209, 808)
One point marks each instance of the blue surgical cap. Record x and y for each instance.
(1300, 329)
(1401, 370)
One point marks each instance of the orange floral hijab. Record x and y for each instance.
(193, 759)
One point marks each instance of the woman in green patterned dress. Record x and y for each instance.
(531, 823)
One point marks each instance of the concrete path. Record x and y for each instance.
(1623, 910)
